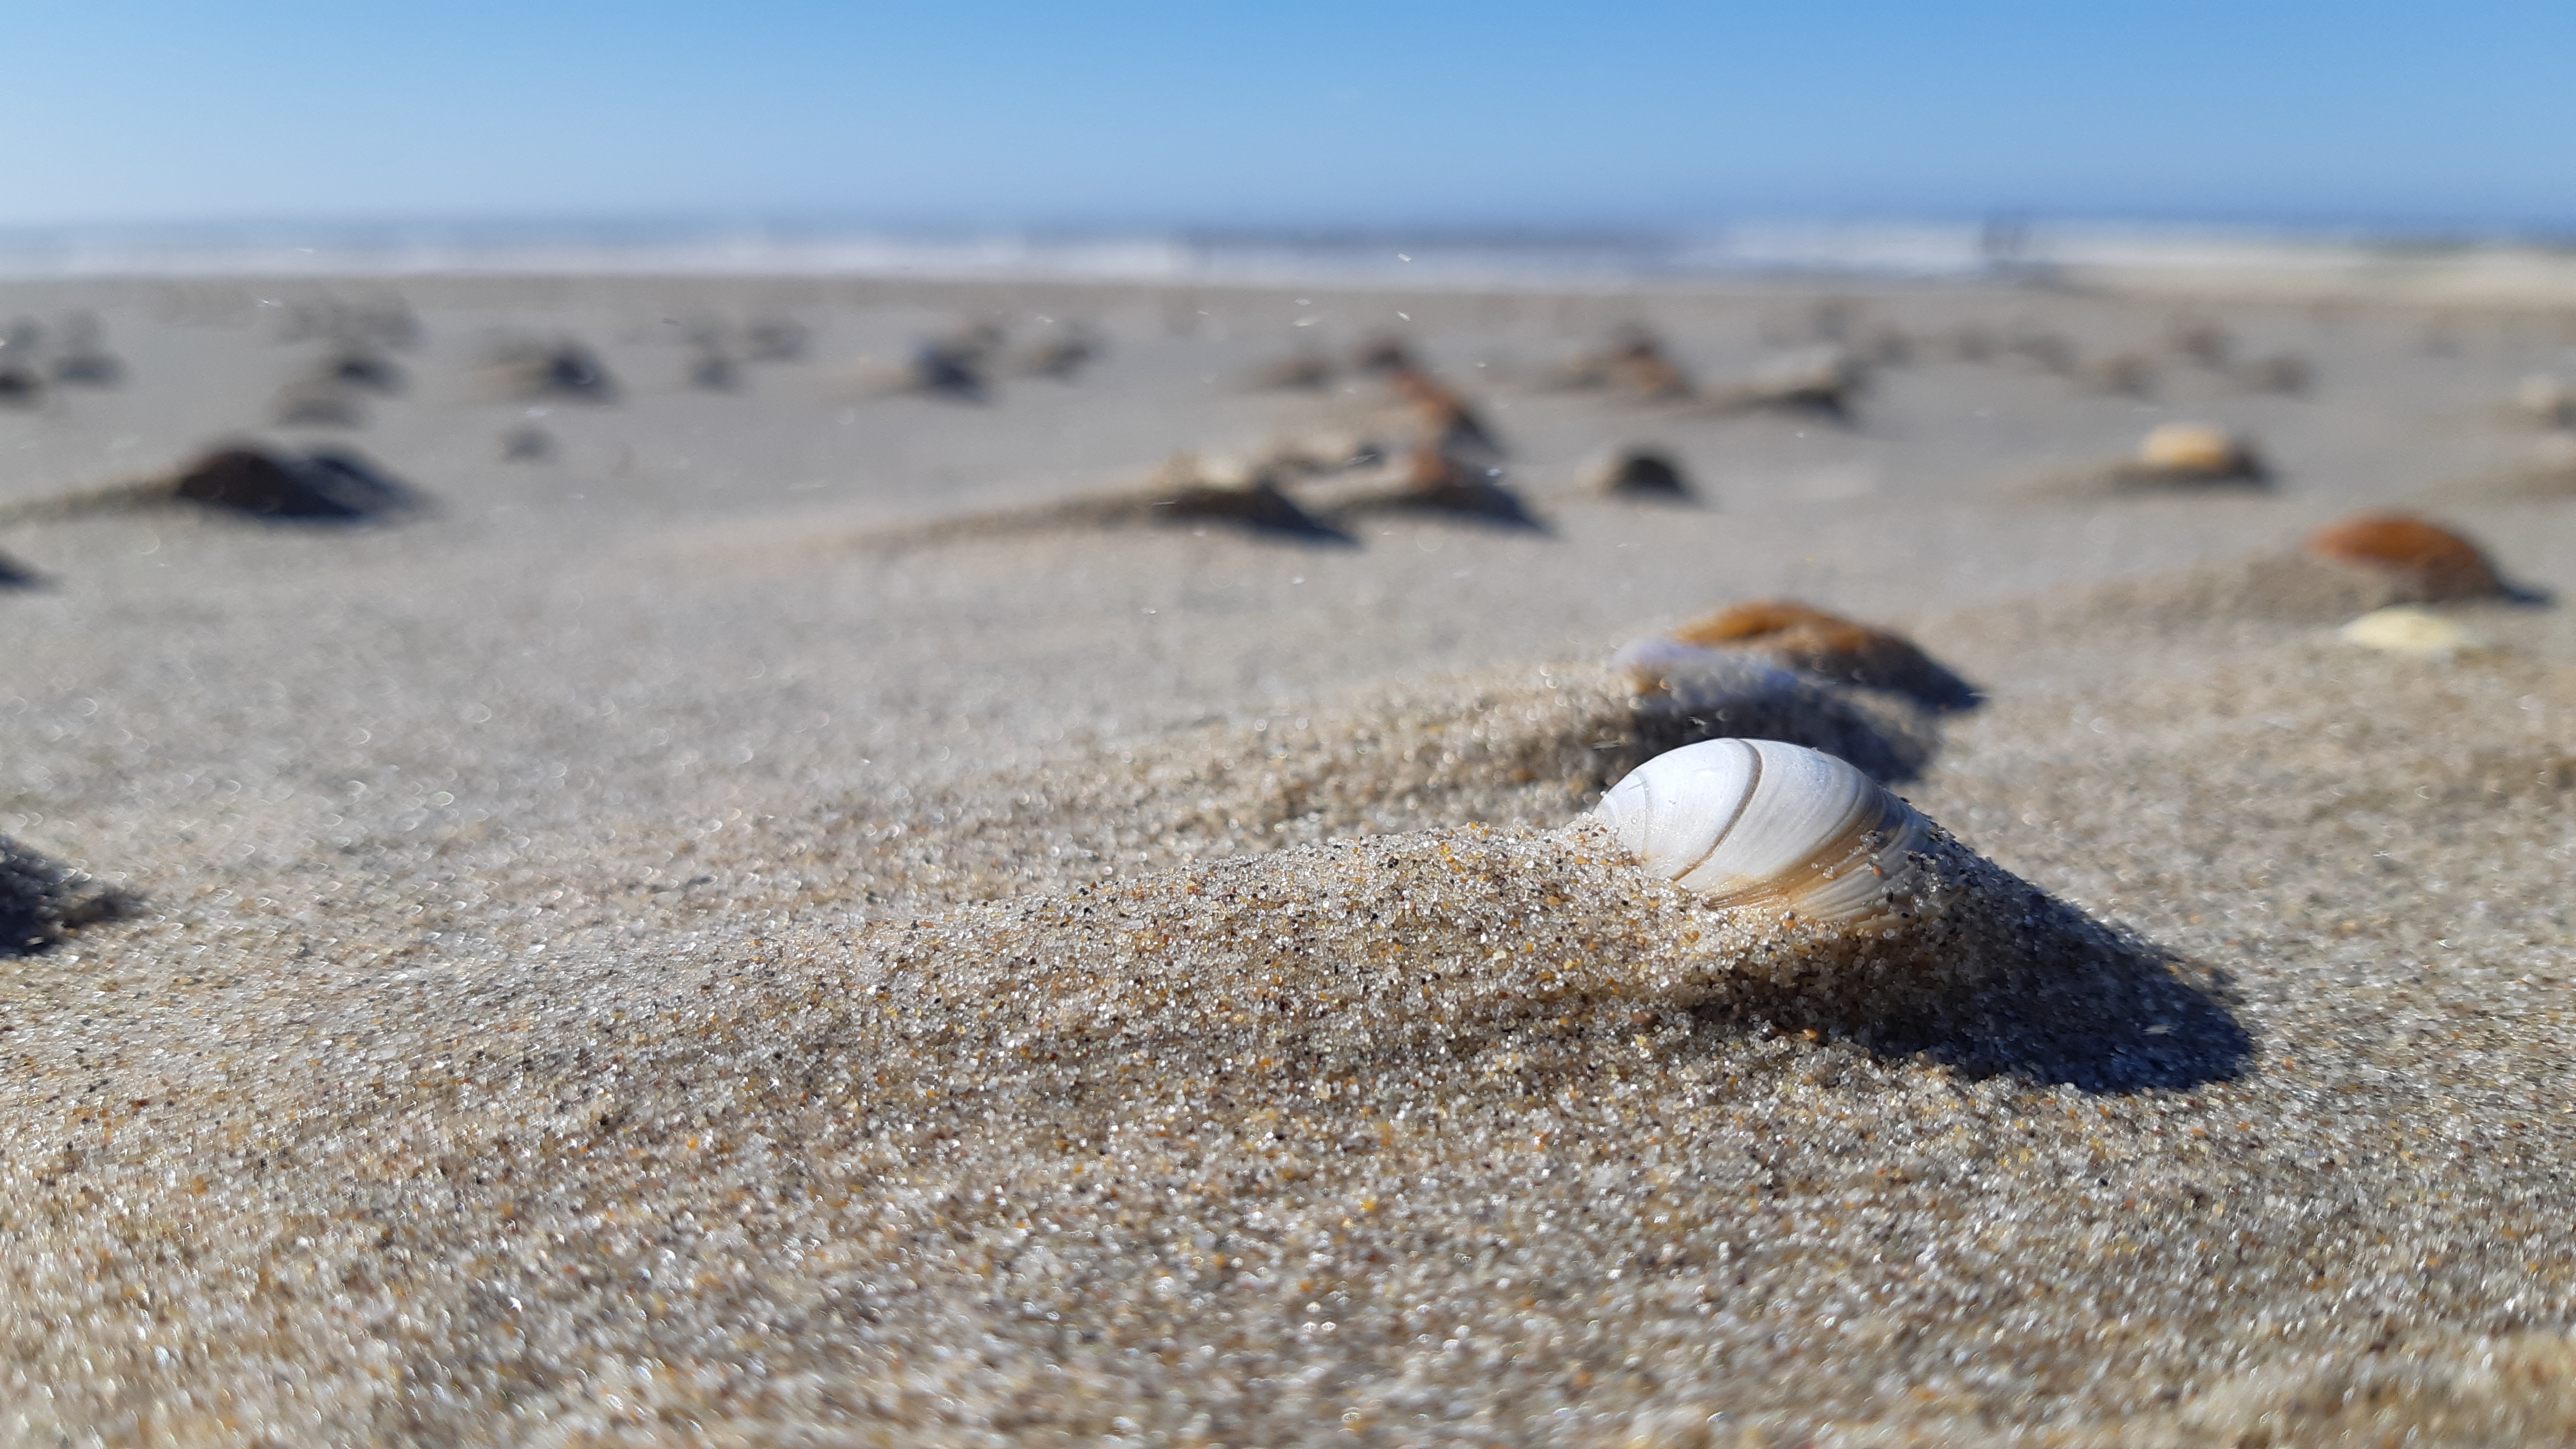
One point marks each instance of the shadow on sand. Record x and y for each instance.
(2085, 1005)
(42, 900)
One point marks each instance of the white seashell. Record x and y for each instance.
(1765, 824)
(2405, 629)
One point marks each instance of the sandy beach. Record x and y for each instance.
(743, 921)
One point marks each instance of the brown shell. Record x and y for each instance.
(1809, 639)
(2435, 562)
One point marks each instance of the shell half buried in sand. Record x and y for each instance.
(1761, 824)
(2431, 562)
(2197, 453)
(2178, 456)
(1808, 639)
(1824, 901)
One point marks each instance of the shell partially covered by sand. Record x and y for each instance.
(2283, 585)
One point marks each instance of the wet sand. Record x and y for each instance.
(641, 953)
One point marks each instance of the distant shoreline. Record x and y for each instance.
(2271, 263)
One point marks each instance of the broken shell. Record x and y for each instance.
(2198, 451)
(1825, 644)
(1765, 825)
(2433, 562)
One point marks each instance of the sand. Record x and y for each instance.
(678, 944)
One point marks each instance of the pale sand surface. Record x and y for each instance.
(632, 957)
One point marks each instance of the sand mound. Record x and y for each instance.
(324, 486)
(1459, 1128)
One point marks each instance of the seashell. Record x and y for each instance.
(2197, 452)
(1640, 473)
(2434, 563)
(2406, 629)
(1812, 640)
(1757, 824)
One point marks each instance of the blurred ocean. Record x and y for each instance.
(1391, 258)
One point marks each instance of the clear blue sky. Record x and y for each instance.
(1111, 114)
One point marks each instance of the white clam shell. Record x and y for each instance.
(1761, 823)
